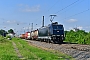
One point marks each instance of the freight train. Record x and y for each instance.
(54, 33)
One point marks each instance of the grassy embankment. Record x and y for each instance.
(7, 51)
(34, 53)
(28, 52)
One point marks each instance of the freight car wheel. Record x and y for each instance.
(53, 41)
(41, 40)
(32, 38)
(49, 41)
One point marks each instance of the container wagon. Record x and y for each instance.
(34, 34)
(22, 36)
(27, 35)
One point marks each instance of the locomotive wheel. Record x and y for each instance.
(47, 41)
(60, 41)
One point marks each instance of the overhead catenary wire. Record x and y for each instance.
(72, 7)
(59, 10)
(88, 9)
(49, 10)
(67, 6)
(78, 13)
(53, 5)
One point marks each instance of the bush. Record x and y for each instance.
(8, 37)
(2, 39)
(80, 37)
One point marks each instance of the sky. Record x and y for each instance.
(20, 14)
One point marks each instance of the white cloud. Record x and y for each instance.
(87, 27)
(13, 22)
(72, 20)
(27, 8)
(7, 21)
(70, 28)
(80, 27)
(10, 22)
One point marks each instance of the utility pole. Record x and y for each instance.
(28, 27)
(32, 27)
(52, 17)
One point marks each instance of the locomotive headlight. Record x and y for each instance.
(62, 35)
(57, 31)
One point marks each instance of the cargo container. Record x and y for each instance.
(27, 35)
(32, 35)
(22, 36)
(35, 34)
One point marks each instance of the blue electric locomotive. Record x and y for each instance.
(52, 33)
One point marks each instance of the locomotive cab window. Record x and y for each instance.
(57, 26)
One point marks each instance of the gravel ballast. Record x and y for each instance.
(77, 51)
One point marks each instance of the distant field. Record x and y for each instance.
(27, 51)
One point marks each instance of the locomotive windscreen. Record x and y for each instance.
(57, 27)
(58, 30)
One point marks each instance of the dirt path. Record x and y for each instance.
(35, 56)
(17, 51)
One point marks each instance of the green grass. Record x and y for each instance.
(30, 52)
(7, 51)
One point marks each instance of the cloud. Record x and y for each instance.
(13, 22)
(27, 8)
(80, 27)
(87, 27)
(8, 21)
(70, 28)
(72, 20)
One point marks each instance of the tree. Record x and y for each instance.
(80, 37)
(3, 32)
(10, 31)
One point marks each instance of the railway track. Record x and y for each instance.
(77, 51)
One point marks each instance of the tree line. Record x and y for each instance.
(3, 32)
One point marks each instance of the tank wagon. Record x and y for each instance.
(52, 33)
